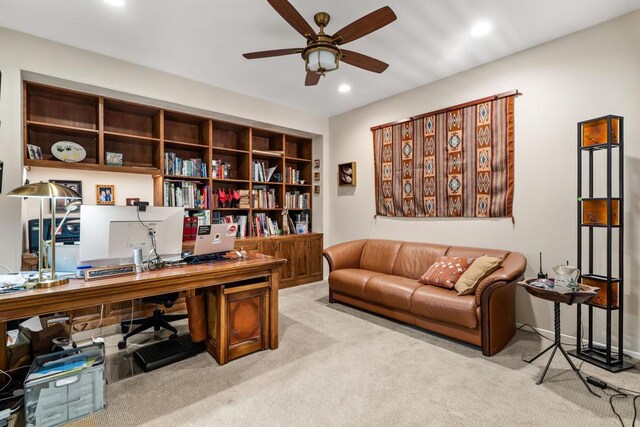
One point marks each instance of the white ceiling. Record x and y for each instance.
(203, 39)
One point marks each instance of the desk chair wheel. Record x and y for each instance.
(122, 345)
(124, 328)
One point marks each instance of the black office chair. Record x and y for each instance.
(157, 321)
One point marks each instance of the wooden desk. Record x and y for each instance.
(79, 294)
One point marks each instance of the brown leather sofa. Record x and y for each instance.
(382, 276)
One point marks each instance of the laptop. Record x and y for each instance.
(215, 238)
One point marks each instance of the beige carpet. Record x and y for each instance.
(339, 366)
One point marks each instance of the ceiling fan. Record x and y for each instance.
(323, 53)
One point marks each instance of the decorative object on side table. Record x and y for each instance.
(45, 191)
(114, 159)
(546, 289)
(347, 174)
(105, 194)
(61, 204)
(68, 151)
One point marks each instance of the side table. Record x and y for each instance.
(584, 294)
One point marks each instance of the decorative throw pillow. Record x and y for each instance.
(481, 268)
(446, 271)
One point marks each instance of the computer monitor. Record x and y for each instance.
(109, 234)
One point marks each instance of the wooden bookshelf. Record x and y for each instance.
(147, 135)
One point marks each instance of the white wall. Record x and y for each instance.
(581, 76)
(24, 53)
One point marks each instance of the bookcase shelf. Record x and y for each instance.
(148, 137)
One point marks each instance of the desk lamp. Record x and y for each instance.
(46, 191)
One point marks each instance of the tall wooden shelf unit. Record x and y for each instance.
(144, 133)
(595, 215)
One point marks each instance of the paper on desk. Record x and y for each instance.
(12, 337)
(12, 279)
(32, 324)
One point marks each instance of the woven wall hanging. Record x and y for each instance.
(455, 162)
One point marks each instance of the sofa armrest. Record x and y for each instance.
(344, 255)
(512, 269)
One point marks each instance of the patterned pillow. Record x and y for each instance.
(446, 271)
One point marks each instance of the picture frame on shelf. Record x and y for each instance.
(316, 164)
(34, 152)
(316, 177)
(61, 204)
(105, 194)
(347, 174)
(114, 159)
(316, 189)
(131, 201)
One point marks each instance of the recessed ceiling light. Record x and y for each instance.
(117, 3)
(344, 88)
(481, 28)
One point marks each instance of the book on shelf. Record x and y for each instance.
(291, 175)
(297, 200)
(187, 194)
(263, 197)
(190, 228)
(204, 217)
(245, 200)
(241, 220)
(174, 165)
(264, 226)
(262, 172)
(220, 169)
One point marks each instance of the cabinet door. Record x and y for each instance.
(268, 247)
(287, 250)
(315, 257)
(302, 259)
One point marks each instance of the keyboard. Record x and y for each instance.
(201, 259)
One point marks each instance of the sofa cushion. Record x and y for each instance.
(444, 305)
(379, 255)
(351, 281)
(481, 268)
(476, 252)
(446, 271)
(415, 258)
(391, 291)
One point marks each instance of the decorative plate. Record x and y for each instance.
(68, 151)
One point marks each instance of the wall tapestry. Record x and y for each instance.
(456, 162)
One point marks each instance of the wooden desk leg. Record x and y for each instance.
(273, 309)
(223, 327)
(4, 363)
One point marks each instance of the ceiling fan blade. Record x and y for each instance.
(270, 53)
(293, 17)
(363, 61)
(365, 25)
(312, 79)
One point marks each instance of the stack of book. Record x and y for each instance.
(297, 200)
(263, 197)
(245, 201)
(174, 165)
(186, 194)
(291, 175)
(262, 172)
(264, 226)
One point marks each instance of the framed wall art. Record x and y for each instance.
(61, 204)
(105, 194)
(347, 174)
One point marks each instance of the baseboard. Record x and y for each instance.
(570, 338)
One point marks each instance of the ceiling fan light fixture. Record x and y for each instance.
(321, 60)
